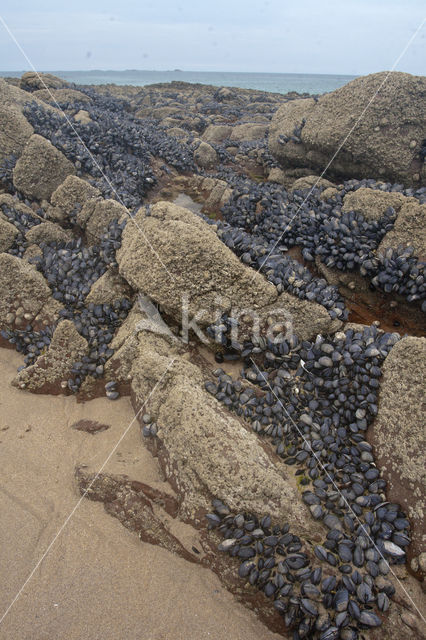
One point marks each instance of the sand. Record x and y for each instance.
(98, 581)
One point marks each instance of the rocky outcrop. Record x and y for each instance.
(179, 254)
(409, 229)
(25, 296)
(176, 259)
(51, 370)
(40, 169)
(373, 203)
(398, 434)
(203, 450)
(205, 156)
(383, 113)
(32, 81)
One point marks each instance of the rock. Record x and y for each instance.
(31, 81)
(308, 182)
(329, 193)
(248, 132)
(13, 203)
(8, 233)
(70, 196)
(409, 229)
(53, 368)
(62, 96)
(110, 287)
(83, 117)
(378, 147)
(277, 175)
(102, 213)
(198, 263)
(204, 451)
(398, 434)
(216, 133)
(205, 156)
(23, 288)
(205, 274)
(224, 93)
(178, 133)
(15, 130)
(48, 232)
(40, 169)
(373, 203)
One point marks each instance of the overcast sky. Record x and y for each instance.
(287, 36)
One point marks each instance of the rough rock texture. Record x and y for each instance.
(50, 372)
(373, 203)
(40, 169)
(83, 117)
(24, 293)
(31, 81)
(248, 132)
(71, 195)
(48, 232)
(277, 175)
(216, 133)
(385, 143)
(307, 182)
(15, 130)
(8, 233)
(398, 433)
(103, 213)
(62, 96)
(13, 203)
(204, 451)
(409, 229)
(197, 262)
(205, 156)
(206, 272)
(110, 287)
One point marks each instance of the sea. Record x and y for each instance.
(273, 82)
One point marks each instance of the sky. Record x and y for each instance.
(353, 37)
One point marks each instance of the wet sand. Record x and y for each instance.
(98, 580)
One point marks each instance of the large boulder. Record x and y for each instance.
(173, 252)
(205, 156)
(205, 451)
(32, 81)
(176, 259)
(384, 125)
(310, 182)
(40, 169)
(25, 295)
(398, 434)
